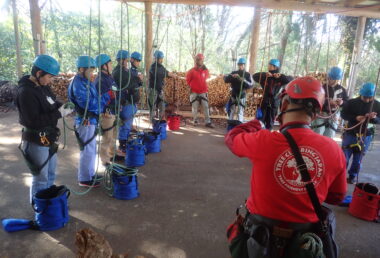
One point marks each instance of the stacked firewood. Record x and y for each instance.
(60, 84)
(254, 97)
(321, 76)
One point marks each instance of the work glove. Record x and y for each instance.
(66, 109)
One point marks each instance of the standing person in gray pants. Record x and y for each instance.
(196, 79)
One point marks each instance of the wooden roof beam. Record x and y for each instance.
(320, 7)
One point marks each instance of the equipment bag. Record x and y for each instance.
(51, 211)
(159, 126)
(50, 206)
(365, 202)
(237, 237)
(327, 222)
(259, 113)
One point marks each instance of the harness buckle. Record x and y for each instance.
(44, 140)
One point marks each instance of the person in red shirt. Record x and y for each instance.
(196, 78)
(277, 191)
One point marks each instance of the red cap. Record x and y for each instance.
(306, 88)
(200, 56)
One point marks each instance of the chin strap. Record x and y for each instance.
(288, 111)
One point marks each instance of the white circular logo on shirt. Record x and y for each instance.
(288, 175)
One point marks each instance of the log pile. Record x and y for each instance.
(321, 76)
(178, 92)
(60, 84)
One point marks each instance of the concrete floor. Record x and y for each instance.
(189, 193)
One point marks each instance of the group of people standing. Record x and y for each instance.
(355, 141)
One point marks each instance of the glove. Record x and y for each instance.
(66, 110)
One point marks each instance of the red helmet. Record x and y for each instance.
(306, 88)
(200, 56)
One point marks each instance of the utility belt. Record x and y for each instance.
(272, 238)
(326, 124)
(44, 137)
(81, 113)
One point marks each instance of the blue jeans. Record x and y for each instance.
(39, 154)
(126, 115)
(86, 169)
(349, 139)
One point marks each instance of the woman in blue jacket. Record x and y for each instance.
(83, 94)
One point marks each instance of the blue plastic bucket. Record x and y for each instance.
(125, 187)
(50, 206)
(135, 154)
(152, 142)
(159, 126)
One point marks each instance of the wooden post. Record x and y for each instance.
(17, 39)
(254, 40)
(148, 35)
(35, 17)
(356, 53)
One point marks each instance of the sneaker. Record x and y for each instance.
(351, 180)
(89, 183)
(210, 125)
(195, 123)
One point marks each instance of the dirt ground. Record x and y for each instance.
(189, 193)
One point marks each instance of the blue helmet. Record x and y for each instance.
(275, 62)
(85, 62)
(242, 60)
(158, 54)
(47, 64)
(368, 90)
(122, 54)
(102, 59)
(335, 73)
(137, 56)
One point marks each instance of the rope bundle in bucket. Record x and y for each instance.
(124, 182)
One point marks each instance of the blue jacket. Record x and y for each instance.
(77, 93)
(106, 84)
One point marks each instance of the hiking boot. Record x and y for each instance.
(89, 184)
(210, 125)
(351, 180)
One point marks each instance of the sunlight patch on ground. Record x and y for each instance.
(10, 140)
(218, 135)
(27, 179)
(179, 133)
(162, 250)
(194, 130)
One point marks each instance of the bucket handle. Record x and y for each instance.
(364, 184)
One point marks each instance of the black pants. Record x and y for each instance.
(269, 114)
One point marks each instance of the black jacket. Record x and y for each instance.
(157, 75)
(271, 86)
(123, 83)
(37, 106)
(236, 83)
(356, 107)
(333, 93)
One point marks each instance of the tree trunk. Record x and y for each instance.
(17, 39)
(149, 36)
(254, 40)
(285, 37)
(38, 36)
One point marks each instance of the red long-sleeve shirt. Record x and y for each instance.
(277, 190)
(196, 79)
